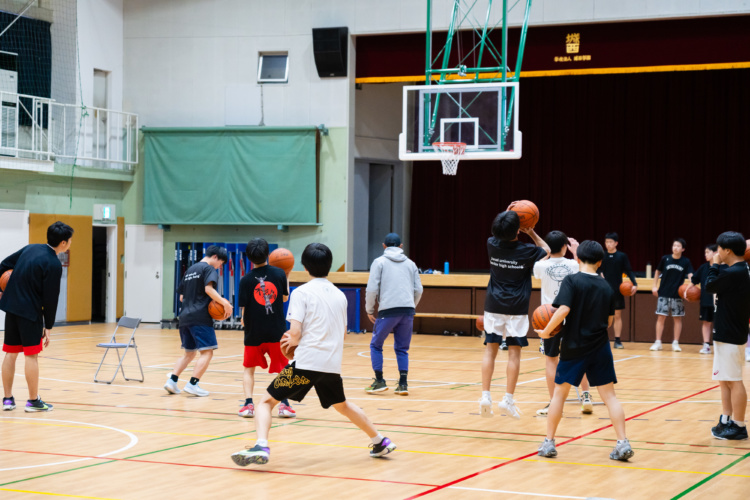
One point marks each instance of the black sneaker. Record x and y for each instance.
(618, 345)
(718, 430)
(503, 346)
(402, 390)
(376, 386)
(384, 448)
(734, 432)
(9, 404)
(37, 405)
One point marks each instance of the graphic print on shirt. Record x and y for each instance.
(265, 294)
(557, 272)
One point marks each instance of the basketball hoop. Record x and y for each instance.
(450, 154)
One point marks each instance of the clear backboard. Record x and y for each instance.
(482, 115)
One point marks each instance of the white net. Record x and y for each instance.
(451, 153)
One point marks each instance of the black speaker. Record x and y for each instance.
(330, 47)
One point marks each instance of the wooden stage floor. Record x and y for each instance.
(132, 440)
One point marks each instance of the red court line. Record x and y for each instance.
(462, 479)
(108, 459)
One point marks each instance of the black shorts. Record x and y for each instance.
(493, 338)
(23, 335)
(619, 301)
(552, 346)
(707, 313)
(598, 366)
(293, 383)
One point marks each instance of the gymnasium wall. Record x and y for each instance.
(652, 156)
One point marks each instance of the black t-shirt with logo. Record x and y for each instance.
(732, 288)
(195, 300)
(591, 302)
(511, 267)
(262, 293)
(673, 273)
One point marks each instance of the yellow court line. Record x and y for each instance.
(54, 494)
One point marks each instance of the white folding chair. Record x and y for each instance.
(124, 322)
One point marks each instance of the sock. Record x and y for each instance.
(263, 443)
(739, 424)
(377, 439)
(402, 377)
(617, 339)
(194, 380)
(622, 441)
(724, 419)
(486, 394)
(174, 377)
(509, 396)
(379, 375)
(285, 402)
(248, 401)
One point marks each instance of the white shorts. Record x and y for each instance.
(507, 325)
(728, 361)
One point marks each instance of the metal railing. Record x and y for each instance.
(39, 128)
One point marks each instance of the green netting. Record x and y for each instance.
(259, 175)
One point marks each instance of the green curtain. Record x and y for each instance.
(259, 175)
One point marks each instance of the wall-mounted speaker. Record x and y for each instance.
(330, 47)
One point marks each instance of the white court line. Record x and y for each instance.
(515, 492)
(133, 442)
(366, 354)
(625, 359)
(530, 381)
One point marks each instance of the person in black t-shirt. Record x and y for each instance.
(30, 304)
(673, 270)
(197, 290)
(732, 288)
(263, 292)
(707, 306)
(616, 263)
(587, 304)
(506, 308)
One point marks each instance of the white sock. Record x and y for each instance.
(675, 341)
(740, 424)
(623, 441)
(724, 419)
(657, 342)
(509, 396)
(262, 443)
(486, 394)
(377, 439)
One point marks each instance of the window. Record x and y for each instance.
(273, 68)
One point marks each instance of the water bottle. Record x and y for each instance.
(446, 268)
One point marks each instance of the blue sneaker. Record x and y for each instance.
(255, 455)
(9, 404)
(37, 405)
(383, 448)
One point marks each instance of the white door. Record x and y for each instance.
(143, 272)
(14, 235)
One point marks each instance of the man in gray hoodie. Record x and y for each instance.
(394, 282)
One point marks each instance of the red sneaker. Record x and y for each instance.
(286, 411)
(247, 411)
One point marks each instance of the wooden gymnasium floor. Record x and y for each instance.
(133, 441)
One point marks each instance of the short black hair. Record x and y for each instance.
(506, 225)
(58, 232)
(317, 259)
(712, 246)
(732, 241)
(257, 251)
(218, 251)
(590, 252)
(556, 240)
(392, 240)
(681, 242)
(612, 236)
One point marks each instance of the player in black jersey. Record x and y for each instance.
(614, 264)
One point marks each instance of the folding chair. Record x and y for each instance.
(124, 322)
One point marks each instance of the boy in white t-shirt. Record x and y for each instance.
(551, 272)
(317, 314)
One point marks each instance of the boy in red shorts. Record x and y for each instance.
(263, 319)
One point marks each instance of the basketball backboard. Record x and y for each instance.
(482, 115)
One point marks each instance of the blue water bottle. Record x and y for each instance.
(446, 268)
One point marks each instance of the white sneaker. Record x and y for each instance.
(171, 386)
(509, 407)
(195, 390)
(543, 412)
(656, 346)
(587, 406)
(706, 349)
(676, 346)
(485, 407)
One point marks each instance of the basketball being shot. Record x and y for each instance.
(339, 242)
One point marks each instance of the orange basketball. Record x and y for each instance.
(541, 317)
(4, 280)
(216, 310)
(527, 212)
(283, 258)
(626, 288)
(480, 324)
(693, 292)
(747, 251)
(288, 353)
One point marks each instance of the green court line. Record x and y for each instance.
(704, 481)
(139, 455)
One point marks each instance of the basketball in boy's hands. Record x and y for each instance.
(288, 352)
(282, 258)
(691, 293)
(626, 288)
(542, 315)
(480, 324)
(527, 212)
(216, 310)
(4, 279)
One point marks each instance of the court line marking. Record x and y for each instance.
(133, 442)
(514, 492)
(704, 481)
(366, 354)
(54, 494)
(518, 459)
